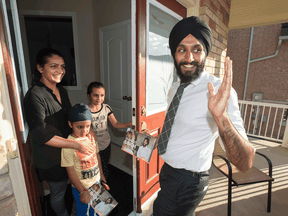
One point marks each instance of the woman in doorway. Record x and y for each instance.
(46, 104)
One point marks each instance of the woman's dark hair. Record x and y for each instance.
(95, 85)
(42, 58)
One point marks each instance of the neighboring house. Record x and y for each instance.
(258, 46)
(267, 76)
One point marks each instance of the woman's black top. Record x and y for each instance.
(46, 118)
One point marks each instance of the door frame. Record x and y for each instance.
(17, 167)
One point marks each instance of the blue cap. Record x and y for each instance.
(79, 112)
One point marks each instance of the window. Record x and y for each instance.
(160, 65)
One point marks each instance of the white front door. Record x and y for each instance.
(115, 63)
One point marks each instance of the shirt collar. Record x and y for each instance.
(40, 84)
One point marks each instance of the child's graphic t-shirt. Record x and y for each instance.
(85, 164)
(100, 126)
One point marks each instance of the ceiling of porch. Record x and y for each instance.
(251, 13)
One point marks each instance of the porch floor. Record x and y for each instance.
(246, 200)
(251, 199)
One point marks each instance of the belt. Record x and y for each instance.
(187, 172)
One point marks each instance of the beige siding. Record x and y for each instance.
(251, 13)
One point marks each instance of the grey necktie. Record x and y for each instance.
(169, 119)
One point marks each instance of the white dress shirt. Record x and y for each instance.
(194, 131)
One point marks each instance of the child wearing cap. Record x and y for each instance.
(84, 169)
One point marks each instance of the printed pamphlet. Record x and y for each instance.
(139, 144)
(101, 200)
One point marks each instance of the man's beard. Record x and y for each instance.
(189, 76)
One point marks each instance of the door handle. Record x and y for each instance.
(127, 98)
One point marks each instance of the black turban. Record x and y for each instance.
(79, 112)
(191, 25)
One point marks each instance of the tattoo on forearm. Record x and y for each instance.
(233, 143)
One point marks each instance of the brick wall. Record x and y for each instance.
(269, 76)
(216, 14)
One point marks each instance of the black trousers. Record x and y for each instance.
(181, 191)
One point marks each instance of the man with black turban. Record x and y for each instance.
(186, 143)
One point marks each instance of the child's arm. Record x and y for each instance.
(84, 193)
(102, 177)
(117, 124)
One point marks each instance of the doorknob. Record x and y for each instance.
(127, 98)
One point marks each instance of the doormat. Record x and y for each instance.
(121, 188)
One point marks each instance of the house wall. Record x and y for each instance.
(266, 76)
(107, 12)
(216, 13)
(85, 33)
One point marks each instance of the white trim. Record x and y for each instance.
(24, 133)
(133, 71)
(162, 7)
(115, 25)
(19, 46)
(75, 37)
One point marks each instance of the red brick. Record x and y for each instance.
(267, 76)
(222, 10)
(203, 2)
(212, 24)
(228, 2)
(213, 7)
(217, 4)
(225, 21)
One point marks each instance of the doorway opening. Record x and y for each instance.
(44, 29)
